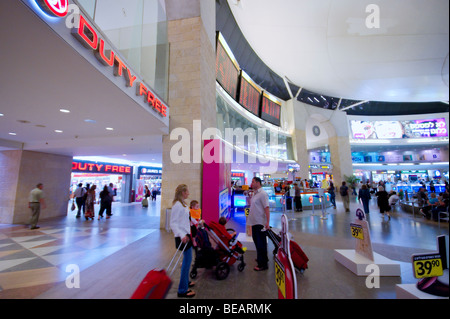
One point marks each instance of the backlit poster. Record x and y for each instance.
(399, 129)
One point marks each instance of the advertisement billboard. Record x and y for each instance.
(398, 129)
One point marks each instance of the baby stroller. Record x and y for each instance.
(228, 250)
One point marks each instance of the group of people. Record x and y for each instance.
(433, 205)
(85, 198)
(153, 193)
(180, 223)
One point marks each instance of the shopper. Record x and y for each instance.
(393, 199)
(80, 198)
(432, 203)
(180, 225)
(383, 201)
(35, 203)
(297, 198)
(90, 200)
(105, 203)
(422, 197)
(258, 219)
(332, 194)
(343, 190)
(154, 192)
(364, 197)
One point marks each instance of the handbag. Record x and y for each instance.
(73, 206)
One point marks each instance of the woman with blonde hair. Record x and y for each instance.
(180, 225)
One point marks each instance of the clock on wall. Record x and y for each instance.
(316, 130)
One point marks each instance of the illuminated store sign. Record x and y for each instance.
(91, 39)
(399, 129)
(58, 8)
(91, 167)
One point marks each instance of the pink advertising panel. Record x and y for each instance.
(216, 190)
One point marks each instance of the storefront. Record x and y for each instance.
(150, 176)
(101, 174)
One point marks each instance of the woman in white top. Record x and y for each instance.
(180, 225)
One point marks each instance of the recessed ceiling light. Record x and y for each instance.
(11, 133)
(64, 111)
(110, 129)
(58, 131)
(90, 121)
(1, 114)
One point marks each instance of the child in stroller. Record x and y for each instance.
(226, 253)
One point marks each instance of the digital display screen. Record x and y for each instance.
(249, 94)
(399, 129)
(271, 109)
(227, 69)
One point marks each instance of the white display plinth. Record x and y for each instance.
(358, 263)
(410, 291)
(246, 241)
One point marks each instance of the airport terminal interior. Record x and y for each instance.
(136, 97)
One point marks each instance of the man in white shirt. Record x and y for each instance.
(80, 199)
(259, 218)
(35, 203)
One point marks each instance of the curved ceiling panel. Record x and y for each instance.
(327, 47)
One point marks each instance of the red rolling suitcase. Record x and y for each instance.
(156, 283)
(298, 256)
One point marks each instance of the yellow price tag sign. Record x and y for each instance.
(357, 231)
(427, 266)
(280, 277)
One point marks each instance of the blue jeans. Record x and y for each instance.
(185, 267)
(333, 199)
(259, 238)
(366, 206)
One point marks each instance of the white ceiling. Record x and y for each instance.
(42, 74)
(326, 47)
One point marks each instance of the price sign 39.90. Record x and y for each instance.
(427, 266)
(357, 231)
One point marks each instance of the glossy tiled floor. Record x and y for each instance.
(114, 255)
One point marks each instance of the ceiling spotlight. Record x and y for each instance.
(1, 114)
(11, 133)
(110, 129)
(64, 111)
(58, 131)
(90, 121)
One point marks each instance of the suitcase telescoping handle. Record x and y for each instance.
(173, 258)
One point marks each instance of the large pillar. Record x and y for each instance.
(191, 34)
(20, 171)
(341, 158)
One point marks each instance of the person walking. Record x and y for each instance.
(332, 194)
(383, 201)
(105, 202)
(364, 197)
(35, 203)
(80, 198)
(181, 227)
(345, 196)
(90, 200)
(258, 219)
(297, 198)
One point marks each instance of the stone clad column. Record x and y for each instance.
(191, 93)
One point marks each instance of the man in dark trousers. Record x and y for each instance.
(259, 218)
